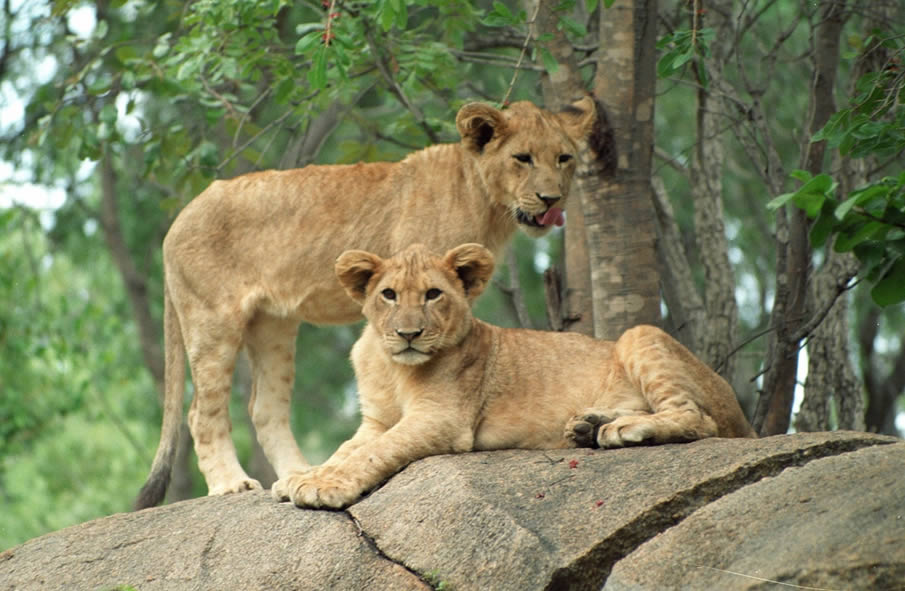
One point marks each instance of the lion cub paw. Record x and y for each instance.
(625, 431)
(582, 429)
(323, 487)
(236, 486)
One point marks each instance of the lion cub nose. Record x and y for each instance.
(410, 335)
(548, 200)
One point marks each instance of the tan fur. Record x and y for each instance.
(433, 379)
(251, 258)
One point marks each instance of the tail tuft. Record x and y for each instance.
(154, 490)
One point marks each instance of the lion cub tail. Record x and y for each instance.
(155, 488)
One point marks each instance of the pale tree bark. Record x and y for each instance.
(830, 374)
(716, 332)
(619, 214)
(774, 407)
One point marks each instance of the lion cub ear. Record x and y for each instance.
(474, 266)
(354, 269)
(580, 118)
(478, 124)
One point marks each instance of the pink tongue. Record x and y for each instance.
(551, 216)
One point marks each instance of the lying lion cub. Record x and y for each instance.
(434, 380)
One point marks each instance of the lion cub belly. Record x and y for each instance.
(509, 432)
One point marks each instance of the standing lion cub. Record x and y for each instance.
(250, 259)
(435, 380)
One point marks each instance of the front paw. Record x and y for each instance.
(323, 487)
(582, 429)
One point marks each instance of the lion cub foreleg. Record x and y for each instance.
(665, 380)
(371, 457)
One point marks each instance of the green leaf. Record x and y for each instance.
(162, 47)
(779, 201)
(810, 202)
(682, 58)
(572, 26)
(859, 197)
(591, 5)
(101, 29)
(108, 114)
(401, 14)
(386, 15)
(502, 10)
(499, 16)
(800, 175)
(823, 226)
(822, 183)
(870, 255)
(317, 75)
(550, 63)
(848, 240)
(308, 42)
(891, 288)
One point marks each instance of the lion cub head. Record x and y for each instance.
(527, 156)
(419, 303)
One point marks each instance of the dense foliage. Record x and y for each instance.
(870, 220)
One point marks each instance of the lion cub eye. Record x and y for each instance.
(524, 158)
(563, 158)
(432, 294)
(388, 294)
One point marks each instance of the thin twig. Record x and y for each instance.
(522, 54)
(247, 113)
(397, 91)
(729, 572)
(251, 140)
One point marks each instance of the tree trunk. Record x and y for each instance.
(618, 208)
(793, 249)
(883, 389)
(830, 374)
(716, 335)
(686, 308)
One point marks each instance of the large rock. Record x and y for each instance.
(816, 510)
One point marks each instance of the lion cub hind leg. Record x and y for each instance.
(676, 386)
(212, 357)
(270, 342)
